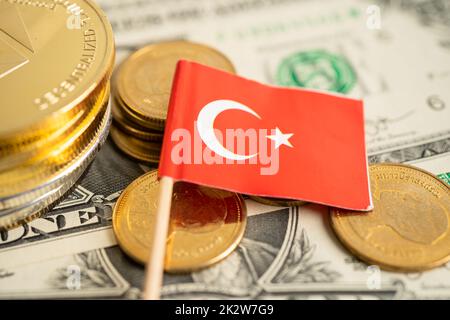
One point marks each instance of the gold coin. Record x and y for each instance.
(16, 154)
(144, 79)
(141, 150)
(37, 202)
(134, 118)
(52, 60)
(26, 182)
(409, 228)
(131, 128)
(206, 224)
(45, 167)
(277, 201)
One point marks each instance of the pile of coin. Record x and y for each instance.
(54, 93)
(408, 230)
(205, 224)
(133, 137)
(142, 86)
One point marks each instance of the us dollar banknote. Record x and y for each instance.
(359, 48)
(399, 126)
(285, 254)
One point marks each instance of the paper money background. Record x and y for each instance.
(401, 69)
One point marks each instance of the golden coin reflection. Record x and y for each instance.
(206, 224)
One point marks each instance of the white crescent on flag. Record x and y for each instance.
(205, 126)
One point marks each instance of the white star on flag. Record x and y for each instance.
(280, 138)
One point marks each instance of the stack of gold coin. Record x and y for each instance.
(55, 67)
(142, 88)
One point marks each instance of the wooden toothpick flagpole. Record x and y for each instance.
(155, 264)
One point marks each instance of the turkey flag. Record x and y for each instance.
(232, 133)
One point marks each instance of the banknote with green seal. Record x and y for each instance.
(318, 69)
(401, 70)
(445, 177)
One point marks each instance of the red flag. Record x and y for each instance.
(228, 132)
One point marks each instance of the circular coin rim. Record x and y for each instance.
(133, 129)
(51, 170)
(122, 92)
(110, 54)
(117, 214)
(335, 223)
(120, 140)
(104, 70)
(235, 242)
(121, 239)
(49, 197)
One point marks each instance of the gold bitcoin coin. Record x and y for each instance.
(27, 182)
(55, 64)
(409, 228)
(205, 224)
(277, 201)
(133, 129)
(45, 167)
(144, 79)
(36, 202)
(145, 151)
(52, 60)
(16, 154)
